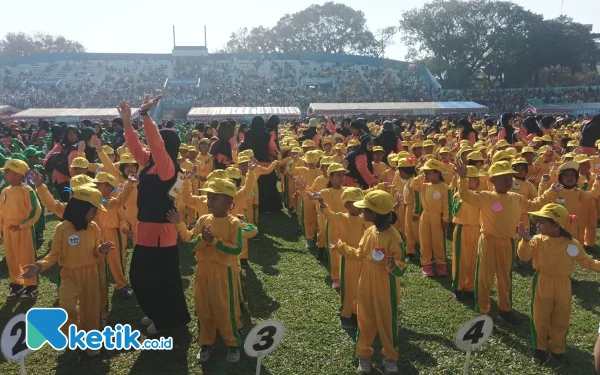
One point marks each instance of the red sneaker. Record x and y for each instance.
(441, 270)
(428, 271)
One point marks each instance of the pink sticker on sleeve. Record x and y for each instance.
(497, 207)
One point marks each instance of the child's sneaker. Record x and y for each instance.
(126, 293)
(152, 330)
(428, 271)
(244, 262)
(321, 254)
(146, 321)
(560, 358)
(539, 357)
(14, 291)
(390, 366)
(310, 243)
(39, 237)
(509, 317)
(441, 270)
(233, 355)
(92, 352)
(29, 293)
(354, 320)
(335, 284)
(346, 322)
(204, 353)
(459, 295)
(364, 365)
(410, 258)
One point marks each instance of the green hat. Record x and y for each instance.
(41, 139)
(39, 168)
(18, 156)
(2, 160)
(15, 143)
(31, 151)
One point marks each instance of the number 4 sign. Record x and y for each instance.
(13, 341)
(263, 339)
(472, 335)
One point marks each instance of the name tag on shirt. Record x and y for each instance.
(176, 188)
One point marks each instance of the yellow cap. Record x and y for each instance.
(338, 146)
(475, 156)
(104, 177)
(444, 150)
(501, 155)
(297, 150)
(326, 141)
(502, 143)
(568, 165)
(500, 168)
(336, 167)
(555, 212)
(80, 162)
(308, 143)
(378, 149)
(195, 132)
(204, 140)
(463, 142)
(568, 155)
(406, 162)
(108, 150)
(352, 194)
(492, 132)
(519, 161)
(245, 158)
(221, 186)
(402, 154)
(327, 160)
(127, 159)
(89, 194)
(233, 172)
(472, 172)
(353, 143)
(377, 201)
(393, 160)
(183, 147)
(312, 157)
(547, 138)
(527, 149)
(17, 166)
(463, 149)
(581, 158)
(428, 143)
(433, 165)
(217, 173)
(511, 151)
(572, 144)
(416, 145)
(81, 180)
(122, 150)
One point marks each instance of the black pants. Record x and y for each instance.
(156, 281)
(268, 195)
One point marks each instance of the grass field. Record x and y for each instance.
(285, 282)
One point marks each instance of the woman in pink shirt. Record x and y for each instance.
(59, 159)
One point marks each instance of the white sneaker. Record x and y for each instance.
(364, 365)
(151, 330)
(146, 321)
(92, 353)
(336, 284)
(390, 366)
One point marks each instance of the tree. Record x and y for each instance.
(21, 44)
(329, 28)
(384, 38)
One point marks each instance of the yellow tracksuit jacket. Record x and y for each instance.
(351, 229)
(19, 206)
(77, 255)
(588, 214)
(205, 164)
(379, 169)
(197, 202)
(240, 208)
(500, 215)
(399, 184)
(378, 290)
(554, 260)
(216, 284)
(309, 213)
(527, 190)
(333, 199)
(464, 244)
(412, 217)
(436, 200)
(319, 184)
(187, 213)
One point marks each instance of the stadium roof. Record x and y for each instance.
(68, 114)
(564, 108)
(239, 113)
(403, 108)
(6, 111)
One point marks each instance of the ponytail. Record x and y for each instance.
(565, 233)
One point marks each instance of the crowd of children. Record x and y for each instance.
(491, 194)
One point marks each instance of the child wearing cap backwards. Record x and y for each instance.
(554, 253)
(215, 289)
(378, 285)
(76, 247)
(19, 211)
(500, 215)
(464, 240)
(436, 198)
(588, 215)
(308, 174)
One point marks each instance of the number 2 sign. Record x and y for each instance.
(13, 341)
(263, 339)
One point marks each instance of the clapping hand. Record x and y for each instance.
(174, 217)
(106, 247)
(190, 173)
(391, 263)
(314, 196)
(207, 234)
(460, 168)
(81, 146)
(133, 178)
(399, 201)
(523, 232)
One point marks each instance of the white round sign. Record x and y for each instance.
(13, 342)
(73, 240)
(572, 250)
(264, 338)
(474, 333)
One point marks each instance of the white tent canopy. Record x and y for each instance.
(6, 111)
(68, 114)
(241, 113)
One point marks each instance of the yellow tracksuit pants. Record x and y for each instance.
(248, 232)
(322, 237)
(411, 231)
(103, 280)
(216, 292)
(432, 238)
(400, 223)
(309, 217)
(349, 275)
(464, 257)
(117, 258)
(494, 259)
(251, 213)
(80, 286)
(550, 311)
(334, 256)
(19, 250)
(588, 219)
(132, 211)
(377, 310)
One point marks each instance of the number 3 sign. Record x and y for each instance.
(472, 335)
(263, 339)
(13, 341)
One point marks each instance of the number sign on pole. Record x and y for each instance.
(263, 339)
(472, 335)
(13, 343)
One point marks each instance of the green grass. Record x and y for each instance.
(286, 283)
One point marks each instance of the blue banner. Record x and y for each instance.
(43, 82)
(183, 82)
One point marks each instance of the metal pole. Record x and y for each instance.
(174, 44)
(562, 2)
(258, 360)
(204, 35)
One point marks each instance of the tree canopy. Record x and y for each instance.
(492, 43)
(329, 28)
(22, 44)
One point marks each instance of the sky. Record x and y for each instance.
(136, 26)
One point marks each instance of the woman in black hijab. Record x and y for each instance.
(590, 133)
(344, 128)
(506, 130)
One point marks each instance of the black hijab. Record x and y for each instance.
(467, 128)
(65, 139)
(590, 132)
(75, 213)
(532, 127)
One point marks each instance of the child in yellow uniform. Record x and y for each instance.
(521, 186)
(436, 199)
(554, 253)
(588, 215)
(308, 174)
(205, 162)
(500, 215)
(189, 216)
(379, 167)
(464, 240)
(19, 211)
(76, 247)
(378, 286)
(216, 291)
(412, 211)
(447, 167)
(319, 184)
